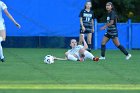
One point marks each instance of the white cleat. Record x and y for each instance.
(102, 58)
(128, 56)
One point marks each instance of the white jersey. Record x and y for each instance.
(2, 7)
(75, 50)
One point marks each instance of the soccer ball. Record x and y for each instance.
(49, 59)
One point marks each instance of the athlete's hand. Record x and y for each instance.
(18, 25)
(92, 30)
(83, 29)
(103, 28)
(83, 37)
(84, 42)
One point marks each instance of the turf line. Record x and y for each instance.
(72, 86)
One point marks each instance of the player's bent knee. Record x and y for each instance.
(117, 45)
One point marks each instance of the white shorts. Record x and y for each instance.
(78, 56)
(2, 26)
(86, 57)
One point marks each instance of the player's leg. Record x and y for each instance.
(87, 55)
(80, 39)
(103, 47)
(72, 57)
(2, 38)
(122, 49)
(89, 41)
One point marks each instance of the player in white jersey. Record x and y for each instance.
(79, 52)
(3, 7)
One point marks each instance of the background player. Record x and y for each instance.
(112, 32)
(79, 52)
(2, 26)
(86, 24)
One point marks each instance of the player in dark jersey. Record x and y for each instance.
(86, 24)
(112, 32)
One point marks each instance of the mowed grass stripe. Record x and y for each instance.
(71, 86)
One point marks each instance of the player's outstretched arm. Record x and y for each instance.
(84, 42)
(10, 17)
(56, 58)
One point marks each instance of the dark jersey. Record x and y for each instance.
(112, 30)
(87, 19)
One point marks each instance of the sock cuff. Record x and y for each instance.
(103, 45)
(90, 45)
(119, 46)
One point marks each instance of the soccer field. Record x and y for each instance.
(25, 72)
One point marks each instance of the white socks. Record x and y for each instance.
(71, 57)
(88, 55)
(1, 50)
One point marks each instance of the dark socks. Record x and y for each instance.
(89, 46)
(123, 49)
(103, 49)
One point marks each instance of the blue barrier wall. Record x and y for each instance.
(135, 35)
(58, 18)
(45, 17)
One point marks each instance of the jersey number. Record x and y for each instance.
(87, 19)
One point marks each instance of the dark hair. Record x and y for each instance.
(86, 3)
(110, 3)
(113, 8)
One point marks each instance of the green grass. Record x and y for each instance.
(25, 72)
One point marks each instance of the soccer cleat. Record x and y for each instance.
(128, 56)
(102, 58)
(96, 59)
(2, 60)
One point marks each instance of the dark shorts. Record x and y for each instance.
(85, 32)
(110, 36)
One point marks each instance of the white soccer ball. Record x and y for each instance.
(49, 59)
